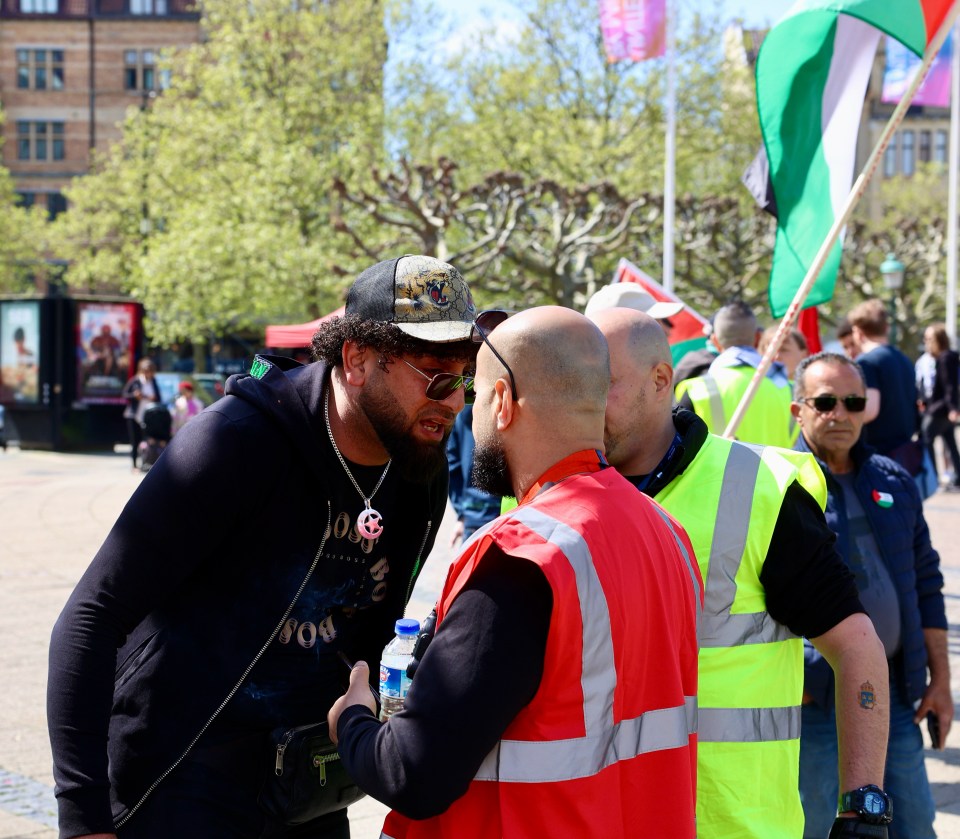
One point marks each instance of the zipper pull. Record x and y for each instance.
(281, 748)
(321, 764)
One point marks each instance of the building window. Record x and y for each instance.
(890, 158)
(40, 69)
(39, 140)
(924, 152)
(909, 160)
(56, 204)
(40, 7)
(940, 147)
(148, 7)
(26, 199)
(140, 71)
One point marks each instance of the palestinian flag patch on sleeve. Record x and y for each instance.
(883, 499)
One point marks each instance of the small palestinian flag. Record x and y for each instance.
(883, 499)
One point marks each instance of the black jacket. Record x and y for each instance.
(196, 578)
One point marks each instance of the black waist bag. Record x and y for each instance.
(306, 778)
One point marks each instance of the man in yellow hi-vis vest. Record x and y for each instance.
(715, 395)
(771, 574)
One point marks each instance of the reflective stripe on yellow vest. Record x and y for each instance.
(751, 667)
(767, 421)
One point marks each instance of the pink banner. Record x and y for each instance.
(633, 30)
(901, 66)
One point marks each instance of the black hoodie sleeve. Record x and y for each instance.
(173, 523)
(482, 668)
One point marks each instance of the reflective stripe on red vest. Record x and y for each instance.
(589, 756)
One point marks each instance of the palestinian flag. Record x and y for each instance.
(812, 74)
(687, 332)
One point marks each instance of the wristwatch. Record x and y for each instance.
(871, 804)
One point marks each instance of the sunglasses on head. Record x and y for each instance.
(483, 325)
(442, 385)
(828, 402)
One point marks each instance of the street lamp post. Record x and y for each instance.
(892, 270)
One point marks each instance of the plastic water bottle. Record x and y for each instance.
(394, 682)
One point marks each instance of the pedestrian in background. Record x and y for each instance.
(141, 392)
(941, 405)
(557, 697)
(847, 340)
(875, 509)
(715, 395)
(282, 528)
(185, 407)
(792, 351)
(891, 418)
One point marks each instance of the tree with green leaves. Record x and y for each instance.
(21, 239)
(214, 209)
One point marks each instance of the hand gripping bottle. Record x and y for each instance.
(394, 682)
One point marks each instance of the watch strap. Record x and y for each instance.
(847, 828)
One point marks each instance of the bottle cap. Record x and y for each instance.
(407, 626)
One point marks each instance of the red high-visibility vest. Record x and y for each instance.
(607, 746)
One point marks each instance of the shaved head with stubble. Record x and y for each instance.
(561, 366)
(638, 425)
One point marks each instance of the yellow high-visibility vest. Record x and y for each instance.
(750, 667)
(767, 420)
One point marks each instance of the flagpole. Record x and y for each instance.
(670, 165)
(951, 302)
(859, 187)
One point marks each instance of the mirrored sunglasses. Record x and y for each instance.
(827, 402)
(442, 385)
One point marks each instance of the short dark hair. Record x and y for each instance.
(735, 325)
(844, 328)
(828, 358)
(384, 338)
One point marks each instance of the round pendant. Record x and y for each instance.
(368, 524)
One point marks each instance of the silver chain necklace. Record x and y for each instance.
(370, 522)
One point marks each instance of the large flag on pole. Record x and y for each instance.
(812, 74)
(633, 30)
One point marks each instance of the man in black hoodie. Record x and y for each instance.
(285, 525)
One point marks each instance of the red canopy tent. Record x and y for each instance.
(297, 334)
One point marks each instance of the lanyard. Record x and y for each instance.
(661, 467)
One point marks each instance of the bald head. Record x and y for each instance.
(559, 359)
(561, 369)
(634, 337)
(639, 427)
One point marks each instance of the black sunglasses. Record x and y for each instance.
(827, 402)
(442, 385)
(483, 325)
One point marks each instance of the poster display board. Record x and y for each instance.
(20, 352)
(106, 338)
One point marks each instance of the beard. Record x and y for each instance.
(491, 472)
(418, 462)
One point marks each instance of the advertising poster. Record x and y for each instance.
(20, 352)
(901, 65)
(106, 337)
